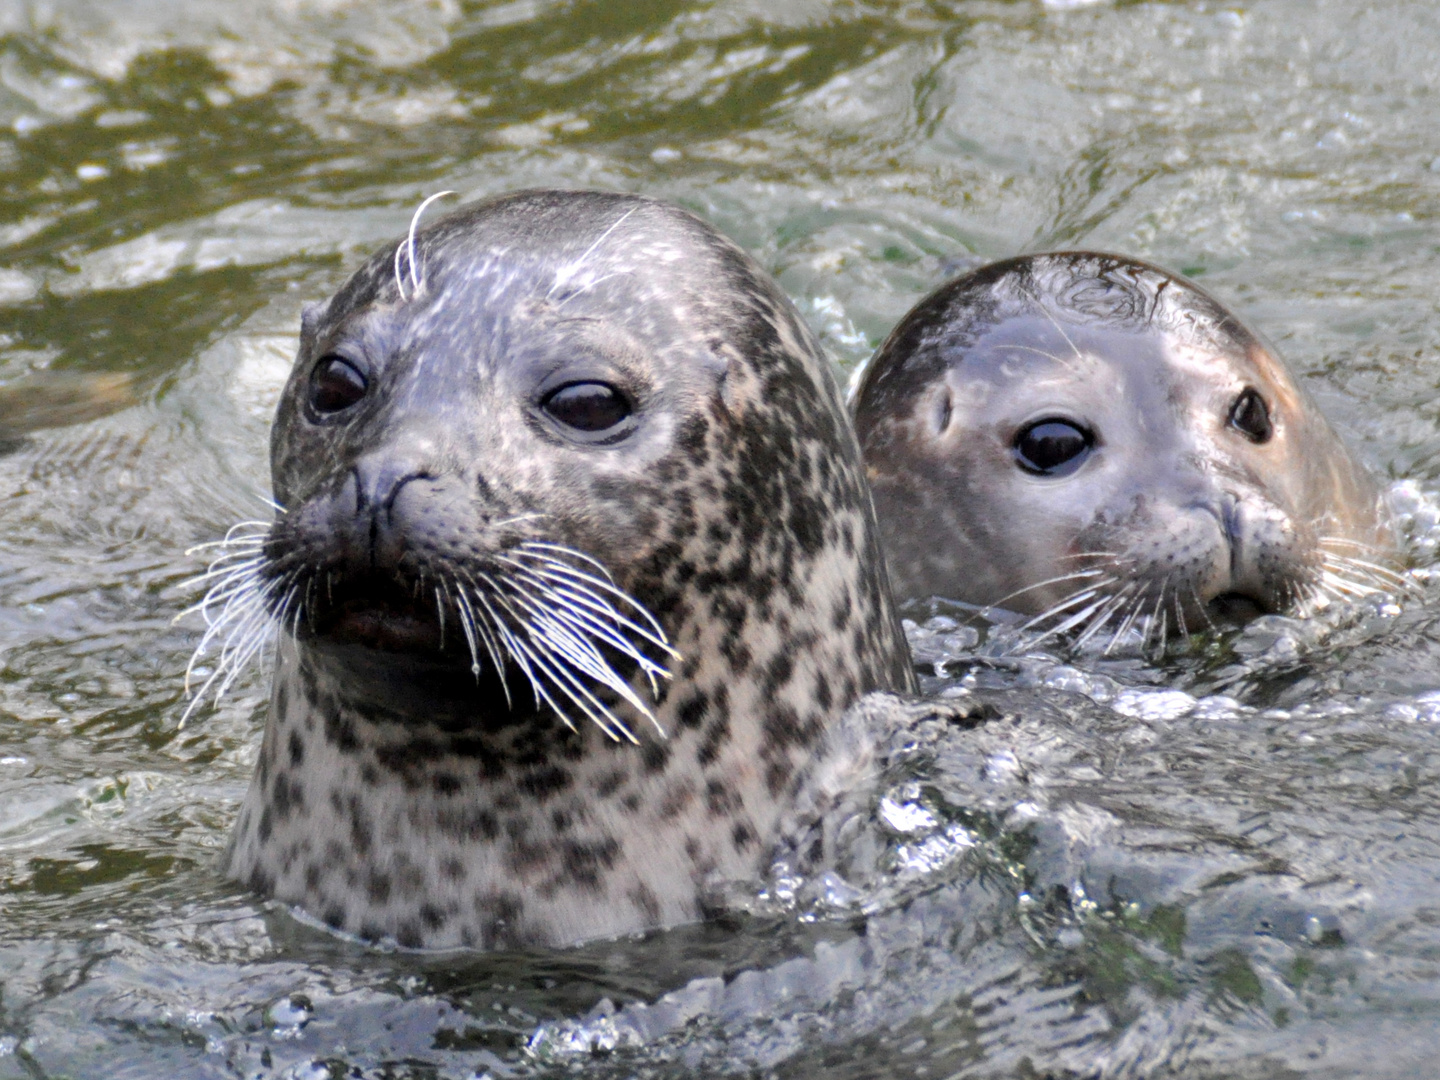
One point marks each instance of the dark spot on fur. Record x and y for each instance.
(777, 775)
(446, 783)
(654, 756)
(609, 783)
(691, 712)
(720, 798)
(585, 862)
(645, 902)
(377, 887)
(545, 783)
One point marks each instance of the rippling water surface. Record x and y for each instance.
(1226, 865)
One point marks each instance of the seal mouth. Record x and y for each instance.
(1235, 608)
(384, 614)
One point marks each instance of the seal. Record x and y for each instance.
(1100, 444)
(576, 566)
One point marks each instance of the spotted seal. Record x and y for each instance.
(575, 567)
(1099, 443)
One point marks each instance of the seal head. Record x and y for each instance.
(1092, 440)
(577, 563)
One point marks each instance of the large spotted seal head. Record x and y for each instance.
(1099, 443)
(576, 564)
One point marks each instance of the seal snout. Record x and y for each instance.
(389, 495)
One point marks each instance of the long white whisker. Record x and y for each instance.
(569, 594)
(410, 240)
(1077, 575)
(527, 653)
(559, 641)
(1073, 621)
(565, 273)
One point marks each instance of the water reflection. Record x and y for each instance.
(1123, 882)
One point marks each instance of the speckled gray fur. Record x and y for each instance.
(389, 803)
(1174, 510)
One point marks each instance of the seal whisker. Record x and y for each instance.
(1164, 617)
(569, 593)
(246, 619)
(480, 624)
(537, 550)
(474, 628)
(408, 248)
(490, 628)
(1100, 620)
(465, 628)
(1204, 610)
(1045, 310)
(1079, 596)
(1125, 624)
(1077, 575)
(1072, 621)
(1346, 588)
(1372, 571)
(521, 655)
(538, 653)
(562, 642)
(583, 622)
(224, 567)
(568, 271)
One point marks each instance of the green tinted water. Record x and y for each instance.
(178, 177)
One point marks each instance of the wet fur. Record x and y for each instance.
(392, 809)
(1173, 509)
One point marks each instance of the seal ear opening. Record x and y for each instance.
(944, 411)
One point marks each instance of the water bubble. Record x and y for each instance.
(1324, 931)
(907, 817)
(290, 1014)
(1153, 704)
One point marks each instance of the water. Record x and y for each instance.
(1224, 864)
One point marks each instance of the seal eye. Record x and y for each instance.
(1052, 447)
(1250, 417)
(591, 407)
(335, 385)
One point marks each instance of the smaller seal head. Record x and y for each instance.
(1094, 441)
(577, 564)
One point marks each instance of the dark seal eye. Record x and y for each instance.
(1052, 447)
(1250, 417)
(594, 408)
(335, 385)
